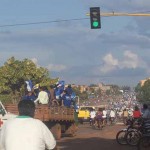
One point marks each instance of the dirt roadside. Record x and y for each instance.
(90, 139)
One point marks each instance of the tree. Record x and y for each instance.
(14, 73)
(108, 92)
(99, 92)
(126, 88)
(83, 96)
(115, 89)
(143, 92)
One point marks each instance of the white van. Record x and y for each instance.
(4, 115)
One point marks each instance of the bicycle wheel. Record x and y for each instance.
(121, 137)
(144, 143)
(133, 137)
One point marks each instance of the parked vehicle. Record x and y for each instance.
(4, 115)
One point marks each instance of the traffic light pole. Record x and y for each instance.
(111, 14)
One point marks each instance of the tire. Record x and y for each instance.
(71, 129)
(133, 137)
(96, 126)
(121, 137)
(56, 130)
(144, 143)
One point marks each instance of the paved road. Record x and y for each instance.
(90, 139)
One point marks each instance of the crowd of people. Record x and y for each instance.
(104, 116)
(55, 95)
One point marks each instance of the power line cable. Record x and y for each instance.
(41, 22)
(55, 21)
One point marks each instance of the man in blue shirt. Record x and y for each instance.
(29, 96)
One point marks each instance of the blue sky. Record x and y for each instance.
(118, 53)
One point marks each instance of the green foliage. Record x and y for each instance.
(115, 89)
(92, 85)
(5, 98)
(83, 95)
(108, 92)
(143, 92)
(14, 73)
(125, 88)
(99, 92)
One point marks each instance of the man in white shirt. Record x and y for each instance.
(112, 116)
(43, 97)
(92, 116)
(104, 116)
(26, 133)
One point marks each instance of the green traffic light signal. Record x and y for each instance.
(95, 17)
(95, 24)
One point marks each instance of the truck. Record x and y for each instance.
(59, 119)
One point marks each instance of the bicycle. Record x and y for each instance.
(133, 136)
(122, 134)
(97, 124)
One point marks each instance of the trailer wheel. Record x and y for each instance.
(56, 130)
(72, 129)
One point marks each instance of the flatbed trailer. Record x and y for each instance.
(60, 120)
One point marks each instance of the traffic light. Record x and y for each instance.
(95, 18)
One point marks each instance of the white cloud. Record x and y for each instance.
(109, 60)
(129, 61)
(56, 68)
(110, 63)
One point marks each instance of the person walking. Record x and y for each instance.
(104, 117)
(92, 116)
(112, 116)
(26, 133)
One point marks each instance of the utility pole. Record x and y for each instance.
(113, 14)
(122, 14)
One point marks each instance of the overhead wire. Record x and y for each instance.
(42, 22)
(55, 21)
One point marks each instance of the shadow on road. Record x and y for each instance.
(93, 143)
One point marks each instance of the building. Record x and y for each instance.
(143, 81)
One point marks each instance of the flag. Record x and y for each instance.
(29, 85)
